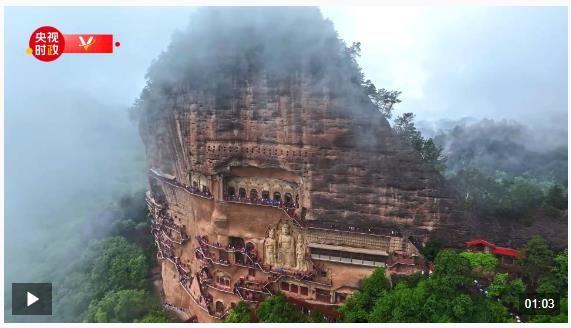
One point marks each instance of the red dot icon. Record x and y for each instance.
(117, 44)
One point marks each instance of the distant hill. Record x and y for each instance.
(506, 147)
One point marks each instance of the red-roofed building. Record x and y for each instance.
(504, 254)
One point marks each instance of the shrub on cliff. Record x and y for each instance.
(276, 309)
(358, 306)
(426, 148)
(431, 249)
(239, 314)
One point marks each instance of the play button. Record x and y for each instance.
(31, 299)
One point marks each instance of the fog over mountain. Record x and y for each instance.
(71, 151)
(508, 146)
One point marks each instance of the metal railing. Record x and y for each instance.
(172, 181)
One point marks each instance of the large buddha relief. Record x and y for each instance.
(285, 247)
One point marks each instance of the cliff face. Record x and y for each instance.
(276, 89)
(354, 171)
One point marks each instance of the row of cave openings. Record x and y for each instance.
(202, 188)
(252, 150)
(238, 243)
(288, 198)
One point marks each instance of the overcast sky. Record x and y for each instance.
(449, 62)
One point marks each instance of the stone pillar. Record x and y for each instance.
(218, 192)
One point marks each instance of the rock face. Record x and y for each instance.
(279, 174)
(354, 170)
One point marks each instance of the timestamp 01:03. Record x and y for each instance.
(544, 304)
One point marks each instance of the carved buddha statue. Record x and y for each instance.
(270, 247)
(286, 247)
(300, 254)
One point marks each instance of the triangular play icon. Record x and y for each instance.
(31, 298)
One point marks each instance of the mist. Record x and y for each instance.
(502, 147)
(71, 150)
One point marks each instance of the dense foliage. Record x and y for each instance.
(238, 314)
(428, 150)
(358, 306)
(110, 282)
(276, 309)
(505, 196)
(556, 280)
(503, 169)
(442, 297)
(450, 295)
(484, 262)
(548, 272)
(124, 305)
(490, 174)
(302, 41)
(536, 260)
(505, 291)
(507, 147)
(431, 249)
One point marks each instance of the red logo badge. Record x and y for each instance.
(47, 43)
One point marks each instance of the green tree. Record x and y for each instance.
(423, 303)
(507, 292)
(115, 264)
(376, 284)
(428, 150)
(316, 317)
(479, 192)
(462, 308)
(239, 314)
(431, 249)
(433, 154)
(557, 280)
(358, 306)
(156, 317)
(442, 297)
(384, 100)
(483, 261)
(410, 280)
(276, 309)
(452, 273)
(501, 195)
(556, 197)
(120, 306)
(520, 198)
(555, 201)
(401, 304)
(404, 126)
(487, 310)
(536, 259)
(562, 317)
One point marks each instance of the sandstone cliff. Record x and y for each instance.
(275, 88)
